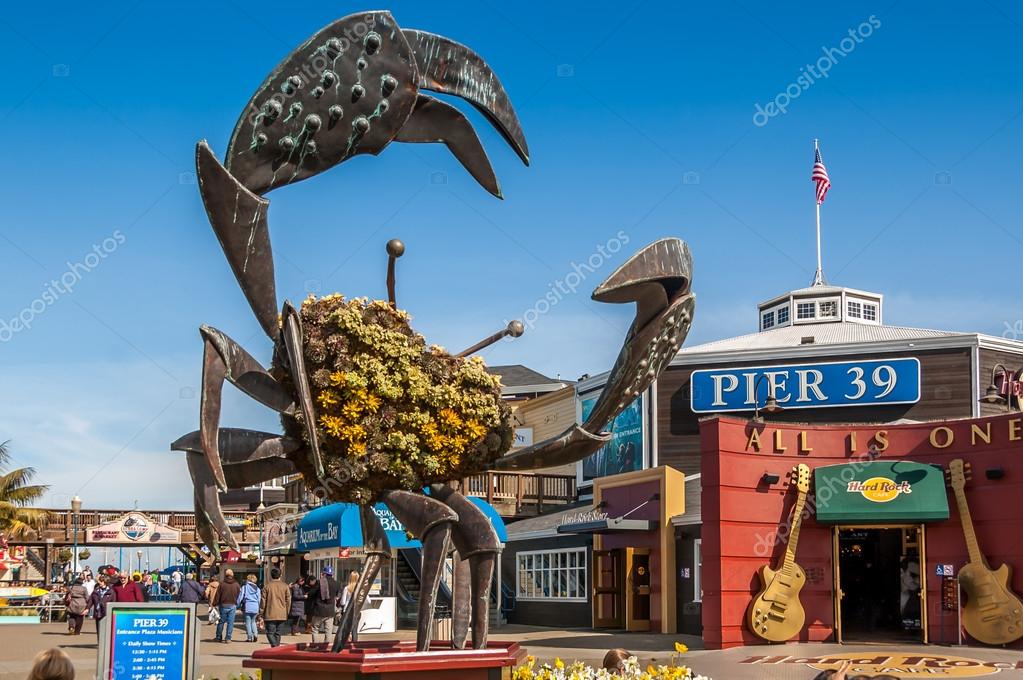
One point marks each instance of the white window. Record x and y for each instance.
(551, 575)
(698, 570)
(828, 309)
(855, 310)
(870, 312)
(768, 321)
(783, 315)
(805, 310)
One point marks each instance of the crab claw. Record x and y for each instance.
(452, 68)
(658, 280)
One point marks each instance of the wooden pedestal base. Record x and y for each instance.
(386, 660)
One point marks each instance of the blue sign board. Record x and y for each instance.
(847, 383)
(338, 526)
(624, 453)
(152, 641)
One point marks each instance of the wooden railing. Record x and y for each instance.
(61, 523)
(521, 493)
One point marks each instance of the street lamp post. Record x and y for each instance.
(262, 558)
(76, 508)
(771, 404)
(138, 553)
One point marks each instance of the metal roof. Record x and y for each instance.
(822, 334)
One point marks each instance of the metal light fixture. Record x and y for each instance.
(993, 395)
(770, 478)
(771, 405)
(994, 473)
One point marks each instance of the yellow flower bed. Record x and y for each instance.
(393, 412)
(631, 670)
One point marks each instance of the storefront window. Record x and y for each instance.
(552, 575)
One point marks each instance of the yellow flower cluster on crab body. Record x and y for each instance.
(393, 412)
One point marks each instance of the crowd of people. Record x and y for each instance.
(310, 605)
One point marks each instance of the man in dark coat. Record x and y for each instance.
(323, 598)
(226, 600)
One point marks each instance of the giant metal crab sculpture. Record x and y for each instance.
(351, 89)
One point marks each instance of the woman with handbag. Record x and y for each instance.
(77, 602)
(102, 595)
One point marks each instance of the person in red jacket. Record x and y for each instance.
(126, 590)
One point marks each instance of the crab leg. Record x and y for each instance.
(238, 218)
(224, 359)
(292, 332)
(431, 521)
(250, 457)
(377, 550)
(478, 544)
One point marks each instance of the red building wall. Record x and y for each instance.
(742, 515)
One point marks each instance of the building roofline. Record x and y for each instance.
(533, 389)
(820, 290)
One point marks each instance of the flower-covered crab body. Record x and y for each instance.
(392, 411)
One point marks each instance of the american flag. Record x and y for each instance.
(819, 176)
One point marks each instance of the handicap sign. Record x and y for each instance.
(944, 570)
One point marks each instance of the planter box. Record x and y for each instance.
(388, 659)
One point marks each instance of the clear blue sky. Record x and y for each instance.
(103, 103)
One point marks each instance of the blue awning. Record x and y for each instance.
(337, 526)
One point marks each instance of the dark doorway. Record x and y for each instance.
(879, 583)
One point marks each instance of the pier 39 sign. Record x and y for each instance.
(822, 385)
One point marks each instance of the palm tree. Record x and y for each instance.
(16, 495)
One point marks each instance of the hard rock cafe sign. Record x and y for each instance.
(879, 489)
(897, 664)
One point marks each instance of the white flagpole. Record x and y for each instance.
(818, 278)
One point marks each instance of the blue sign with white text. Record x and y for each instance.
(846, 383)
(149, 644)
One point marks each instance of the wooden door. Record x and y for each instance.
(608, 589)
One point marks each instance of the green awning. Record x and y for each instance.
(880, 492)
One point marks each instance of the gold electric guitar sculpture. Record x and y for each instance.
(993, 614)
(776, 614)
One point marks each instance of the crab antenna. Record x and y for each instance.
(514, 329)
(395, 249)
